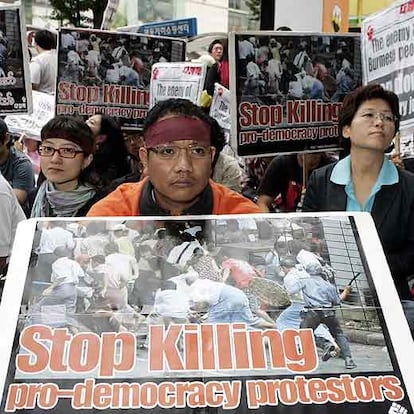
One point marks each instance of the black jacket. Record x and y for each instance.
(393, 214)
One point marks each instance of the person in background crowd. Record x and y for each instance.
(367, 180)
(68, 187)
(111, 158)
(10, 214)
(282, 185)
(15, 166)
(227, 171)
(219, 72)
(30, 147)
(180, 144)
(52, 237)
(134, 140)
(254, 171)
(43, 66)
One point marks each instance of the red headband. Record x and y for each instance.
(178, 128)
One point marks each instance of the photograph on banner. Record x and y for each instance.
(31, 125)
(287, 89)
(101, 72)
(203, 311)
(388, 57)
(220, 108)
(15, 86)
(177, 80)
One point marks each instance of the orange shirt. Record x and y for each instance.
(124, 201)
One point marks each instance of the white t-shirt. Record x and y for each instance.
(43, 71)
(65, 270)
(10, 214)
(206, 290)
(125, 265)
(55, 237)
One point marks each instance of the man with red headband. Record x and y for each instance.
(181, 143)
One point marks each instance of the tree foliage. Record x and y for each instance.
(255, 9)
(74, 12)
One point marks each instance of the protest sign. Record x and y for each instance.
(220, 106)
(15, 86)
(109, 73)
(388, 56)
(31, 125)
(287, 89)
(177, 80)
(188, 324)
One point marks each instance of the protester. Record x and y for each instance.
(43, 66)
(30, 147)
(219, 72)
(227, 171)
(320, 298)
(111, 158)
(15, 166)
(65, 276)
(134, 140)
(282, 185)
(367, 181)
(67, 186)
(10, 214)
(180, 144)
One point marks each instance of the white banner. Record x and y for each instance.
(220, 106)
(388, 56)
(177, 80)
(31, 125)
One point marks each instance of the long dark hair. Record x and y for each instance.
(111, 158)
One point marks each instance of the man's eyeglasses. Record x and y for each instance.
(386, 117)
(65, 152)
(171, 152)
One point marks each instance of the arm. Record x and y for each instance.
(35, 75)
(264, 202)
(21, 195)
(310, 202)
(23, 180)
(272, 183)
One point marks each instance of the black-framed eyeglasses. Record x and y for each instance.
(65, 152)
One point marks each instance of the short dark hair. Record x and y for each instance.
(185, 108)
(70, 128)
(356, 98)
(45, 39)
(3, 130)
(214, 42)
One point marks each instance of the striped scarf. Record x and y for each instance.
(50, 202)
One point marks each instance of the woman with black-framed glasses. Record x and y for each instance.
(68, 181)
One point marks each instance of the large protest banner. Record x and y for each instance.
(102, 72)
(210, 314)
(388, 59)
(177, 80)
(287, 89)
(15, 87)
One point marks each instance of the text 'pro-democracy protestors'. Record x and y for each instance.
(180, 144)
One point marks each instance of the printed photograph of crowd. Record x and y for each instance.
(92, 58)
(276, 273)
(12, 68)
(275, 68)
